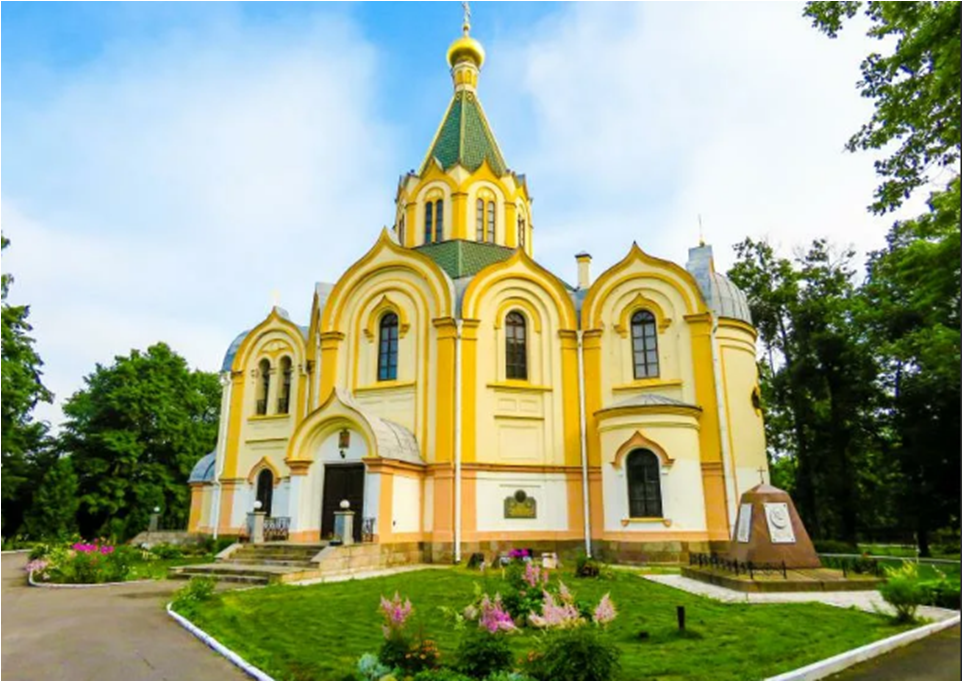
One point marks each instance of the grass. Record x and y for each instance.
(318, 632)
(157, 568)
(906, 551)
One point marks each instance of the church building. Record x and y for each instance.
(461, 398)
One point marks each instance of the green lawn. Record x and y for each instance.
(157, 569)
(318, 632)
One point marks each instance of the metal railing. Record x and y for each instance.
(367, 529)
(749, 568)
(276, 528)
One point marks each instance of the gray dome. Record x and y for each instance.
(724, 298)
(232, 350)
(730, 300)
(203, 471)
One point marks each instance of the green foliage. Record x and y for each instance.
(584, 653)
(53, 512)
(835, 547)
(87, 567)
(915, 90)
(197, 590)
(587, 567)
(481, 653)
(519, 597)
(441, 674)
(164, 551)
(25, 457)
(903, 592)
(370, 668)
(134, 433)
(941, 592)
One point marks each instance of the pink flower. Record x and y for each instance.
(36, 566)
(555, 615)
(106, 549)
(605, 612)
(395, 613)
(493, 617)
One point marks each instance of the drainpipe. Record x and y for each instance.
(731, 490)
(582, 446)
(226, 385)
(457, 401)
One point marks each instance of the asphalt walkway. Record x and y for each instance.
(104, 633)
(935, 658)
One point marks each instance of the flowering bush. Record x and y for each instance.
(519, 555)
(399, 649)
(564, 613)
(484, 649)
(527, 584)
(83, 562)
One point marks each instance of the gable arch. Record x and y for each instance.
(531, 272)
(638, 265)
(392, 257)
(275, 322)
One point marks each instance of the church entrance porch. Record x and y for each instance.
(342, 482)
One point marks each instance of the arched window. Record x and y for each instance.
(284, 394)
(265, 490)
(439, 220)
(521, 233)
(645, 489)
(401, 230)
(645, 346)
(388, 348)
(490, 236)
(480, 220)
(429, 221)
(516, 351)
(263, 386)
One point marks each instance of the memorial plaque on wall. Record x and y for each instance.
(520, 506)
(745, 523)
(779, 523)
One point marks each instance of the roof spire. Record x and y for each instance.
(466, 55)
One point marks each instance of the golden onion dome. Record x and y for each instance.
(464, 49)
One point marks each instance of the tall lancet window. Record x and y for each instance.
(429, 221)
(439, 220)
(490, 235)
(401, 231)
(480, 221)
(284, 392)
(516, 347)
(521, 233)
(645, 345)
(263, 386)
(388, 348)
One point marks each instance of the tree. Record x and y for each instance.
(53, 513)
(916, 89)
(134, 433)
(816, 378)
(22, 437)
(913, 313)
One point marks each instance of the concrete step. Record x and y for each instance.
(257, 561)
(174, 574)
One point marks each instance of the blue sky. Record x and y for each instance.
(167, 167)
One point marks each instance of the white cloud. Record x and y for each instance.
(164, 190)
(644, 116)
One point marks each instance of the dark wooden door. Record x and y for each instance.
(342, 482)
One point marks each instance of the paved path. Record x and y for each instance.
(935, 658)
(865, 600)
(105, 633)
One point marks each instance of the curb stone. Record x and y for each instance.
(230, 655)
(80, 586)
(832, 665)
(15, 551)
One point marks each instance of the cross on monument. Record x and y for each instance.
(762, 477)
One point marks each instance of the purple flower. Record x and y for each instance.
(557, 615)
(36, 566)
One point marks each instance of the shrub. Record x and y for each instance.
(90, 562)
(902, 591)
(941, 592)
(527, 585)
(577, 653)
(370, 668)
(480, 653)
(587, 567)
(440, 674)
(39, 551)
(835, 547)
(165, 551)
(198, 589)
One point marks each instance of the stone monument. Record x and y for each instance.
(769, 531)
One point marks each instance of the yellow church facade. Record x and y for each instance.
(459, 397)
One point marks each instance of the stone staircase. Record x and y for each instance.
(260, 564)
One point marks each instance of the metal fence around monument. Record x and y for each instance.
(749, 568)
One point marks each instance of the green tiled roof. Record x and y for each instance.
(462, 258)
(465, 138)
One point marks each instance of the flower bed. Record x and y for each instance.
(99, 562)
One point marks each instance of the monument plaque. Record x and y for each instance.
(520, 506)
(779, 523)
(745, 523)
